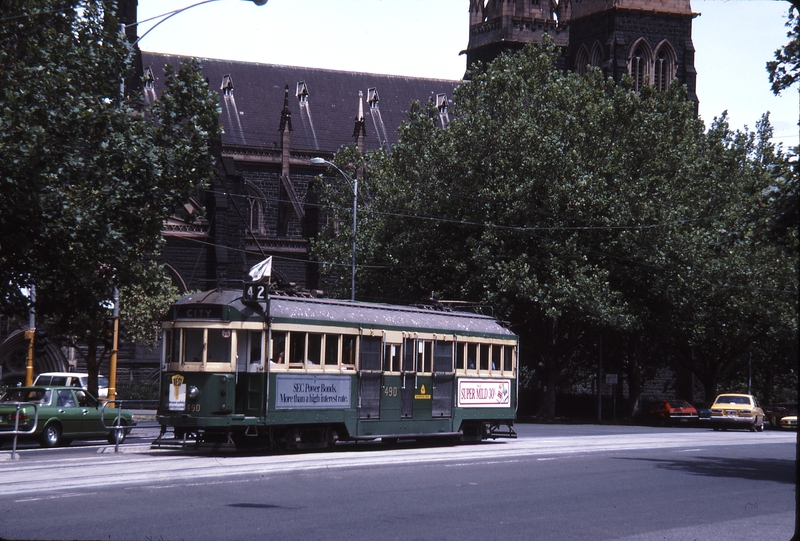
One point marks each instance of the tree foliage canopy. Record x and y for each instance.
(89, 171)
(577, 208)
(785, 69)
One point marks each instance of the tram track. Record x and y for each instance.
(137, 464)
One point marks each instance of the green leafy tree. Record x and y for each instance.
(524, 202)
(88, 176)
(578, 209)
(784, 70)
(731, 287)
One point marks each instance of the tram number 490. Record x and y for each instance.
(255, 292)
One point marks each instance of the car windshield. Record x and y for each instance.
(33, 396)
(730, 399)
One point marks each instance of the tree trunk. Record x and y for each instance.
(92, 365)
(547, 411)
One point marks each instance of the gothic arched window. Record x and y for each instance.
(664, 67)
(596, 59)
(639, 65)
(255, 211)
(581, 60)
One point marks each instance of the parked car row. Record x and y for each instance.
(729, 410)
(56, 415)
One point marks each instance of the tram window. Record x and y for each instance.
(425, 356)
(408, 355)
(297, 347)
(278, 348)
(391, 358)
(460, 356)
(255, 338)
(349, 350)
(219, 345)
(331, 349)
(507, 358)
(371, 353)
(193, 342)
(168, 345)
(496, 351)
(176, 346)
(314, 348)
(443, 356)
(472, 355)
(241, 351)
(484, 353)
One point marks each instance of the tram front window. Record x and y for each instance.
(193, 341)
(219, 346)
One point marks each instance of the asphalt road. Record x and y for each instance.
(581, 482)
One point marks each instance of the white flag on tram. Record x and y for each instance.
(263, 269)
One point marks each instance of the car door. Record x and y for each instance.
(68, 412)
(91, 424)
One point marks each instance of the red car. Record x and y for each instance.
(670, 413)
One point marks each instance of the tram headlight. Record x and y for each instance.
(193, 392)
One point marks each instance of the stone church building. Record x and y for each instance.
(275, 119)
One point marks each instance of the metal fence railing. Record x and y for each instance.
(117, 427)
(17, 415)
(114, 425)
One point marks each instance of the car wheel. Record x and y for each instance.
(117, 436)
(760, 426)
(51, 435)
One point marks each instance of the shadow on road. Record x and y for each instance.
(768, 469)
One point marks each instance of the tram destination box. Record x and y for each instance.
(255, 292)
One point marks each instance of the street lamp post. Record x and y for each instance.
(354, 183)
(166, 16)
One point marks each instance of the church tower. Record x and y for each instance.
(497, 26)
(650, 40)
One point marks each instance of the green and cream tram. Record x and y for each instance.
(295, 372)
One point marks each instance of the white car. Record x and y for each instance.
(72, 379)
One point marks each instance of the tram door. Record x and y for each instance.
(408, 379)
(443, 378)
(250, 376)
(369, 378)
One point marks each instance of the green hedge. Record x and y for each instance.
(144, 390)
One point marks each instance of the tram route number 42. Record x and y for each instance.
(254, 292)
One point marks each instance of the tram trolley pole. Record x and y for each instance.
(17, 432)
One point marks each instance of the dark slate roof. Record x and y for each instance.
(251, 115)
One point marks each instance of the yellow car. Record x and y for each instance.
(737, 410)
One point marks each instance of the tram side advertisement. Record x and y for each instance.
(484, 393)
(317, 392)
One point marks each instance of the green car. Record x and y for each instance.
(65, 414)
